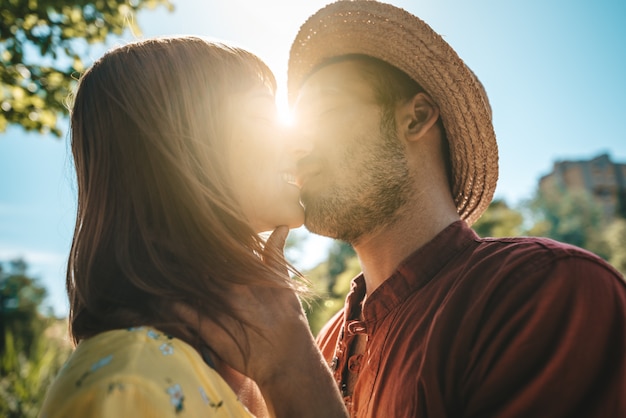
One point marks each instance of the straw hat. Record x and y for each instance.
(393, 35)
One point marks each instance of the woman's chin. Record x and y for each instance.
(298, 220)
(291, 223)
(293, 218)
(297, 224)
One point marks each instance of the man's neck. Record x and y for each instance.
(381, 252)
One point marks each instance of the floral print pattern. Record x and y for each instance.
(176, 397)
(154, 351)
(167, 349)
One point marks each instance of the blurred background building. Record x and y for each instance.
(603, 179)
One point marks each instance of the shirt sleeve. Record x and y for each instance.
(553, 344)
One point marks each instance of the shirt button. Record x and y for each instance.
(354, 363)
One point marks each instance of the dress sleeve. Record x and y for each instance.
(138, 398)
(552, 344)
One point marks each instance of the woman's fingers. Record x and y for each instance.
(277, 238)
(275, 245)
(266, 321)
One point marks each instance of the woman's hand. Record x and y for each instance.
(282, 356)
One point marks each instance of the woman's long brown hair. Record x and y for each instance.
(157, 220)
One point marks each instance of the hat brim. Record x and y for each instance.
(401, 39)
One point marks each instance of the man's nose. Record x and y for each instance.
(299, 144)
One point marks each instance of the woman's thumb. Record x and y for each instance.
(276, 241)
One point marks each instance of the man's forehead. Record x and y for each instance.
(335, 81)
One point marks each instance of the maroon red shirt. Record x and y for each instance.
(471, 327)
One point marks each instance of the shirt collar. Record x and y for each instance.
(414, 272)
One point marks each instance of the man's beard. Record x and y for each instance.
(372, 201)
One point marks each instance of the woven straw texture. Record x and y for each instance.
(392, 34)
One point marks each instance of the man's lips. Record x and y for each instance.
(307, 168)
(305, 174)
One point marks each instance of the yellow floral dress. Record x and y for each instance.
(139, 372)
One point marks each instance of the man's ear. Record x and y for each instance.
(418, 116)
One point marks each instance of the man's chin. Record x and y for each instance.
(323, 216)
(324, 226)
(315, 227)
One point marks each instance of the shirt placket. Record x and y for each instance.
(344, 364)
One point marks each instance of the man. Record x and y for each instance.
(441, 323)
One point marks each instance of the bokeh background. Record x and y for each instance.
(554, 71)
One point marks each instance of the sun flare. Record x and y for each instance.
(284, 112)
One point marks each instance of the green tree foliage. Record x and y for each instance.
(499, 220)
(20, 297)
(33, 345)
(43, 45)
(614, 237)
(573, 217)
(332, 281)
(340, 256)
(621, 204)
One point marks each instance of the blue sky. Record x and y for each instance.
(554, 71)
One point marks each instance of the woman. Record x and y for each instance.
(180, 164)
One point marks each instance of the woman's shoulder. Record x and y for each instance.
(139, 370)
